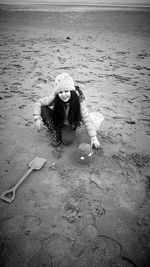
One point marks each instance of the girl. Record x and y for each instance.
(64, 109)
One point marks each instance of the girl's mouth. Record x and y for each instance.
(65, 99)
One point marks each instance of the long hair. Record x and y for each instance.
(74, 114)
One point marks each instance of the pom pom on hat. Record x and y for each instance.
(64, 82)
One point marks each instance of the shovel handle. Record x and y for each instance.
(12, 191)
(10, 198)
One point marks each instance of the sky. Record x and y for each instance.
(78, 1)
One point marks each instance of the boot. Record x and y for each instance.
(68, 135)
(55, 131)
(56, 139)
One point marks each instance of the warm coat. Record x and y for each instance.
(48, 101)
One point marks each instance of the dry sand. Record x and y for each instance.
(71, 214)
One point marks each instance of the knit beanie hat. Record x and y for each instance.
(64, 82)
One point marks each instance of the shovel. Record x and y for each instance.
(35, 164)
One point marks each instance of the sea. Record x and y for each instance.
(127, 19)
(46, 7)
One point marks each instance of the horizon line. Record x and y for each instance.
(75, 4)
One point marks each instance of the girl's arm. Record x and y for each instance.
(89, 126)
(45, 101)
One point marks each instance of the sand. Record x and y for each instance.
(67, 213)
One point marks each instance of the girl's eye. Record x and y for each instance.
(60, 92)
(66, 91)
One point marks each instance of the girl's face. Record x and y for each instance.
(64, 95)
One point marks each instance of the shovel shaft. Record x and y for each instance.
(22, 179)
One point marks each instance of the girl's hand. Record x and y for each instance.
(38, 124)
(95, 143)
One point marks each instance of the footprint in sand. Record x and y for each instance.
(22, 106)
(31, 223)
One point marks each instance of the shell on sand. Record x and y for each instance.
(83, 154)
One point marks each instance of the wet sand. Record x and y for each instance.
(70, 214)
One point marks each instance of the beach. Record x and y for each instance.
(70, 214)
